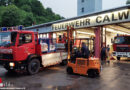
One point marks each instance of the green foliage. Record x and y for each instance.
(6, 2)
(20, 3)
(28, 20)
(26, 8)
(10, 16)
(41, 19)
(25, 12)
(37, 8)
(2, 9)
(2, 2)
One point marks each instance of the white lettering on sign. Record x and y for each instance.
(99, 19)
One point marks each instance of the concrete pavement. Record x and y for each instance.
(114, 76)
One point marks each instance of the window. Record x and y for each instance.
(25, 38)
(13, 37)
(82, 1)
(8, 38)
(122, 40)
(82, 10)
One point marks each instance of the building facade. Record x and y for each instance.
(88, 6)
(103, 26)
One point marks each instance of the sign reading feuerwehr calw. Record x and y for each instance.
(95, 20)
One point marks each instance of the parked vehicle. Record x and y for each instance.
(121, 46)
(23, 50)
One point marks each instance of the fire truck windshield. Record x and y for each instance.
(7, 38)
(122, 40)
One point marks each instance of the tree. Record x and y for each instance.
(49, 11)
(2, 2)
(2, 9)
(25, 12)
(9, 2)
(11, 16)
(41, 19)
(6, 2)
(37, 8)
(57, 17)
(20, 3)
(26, 8)
(29, 19)
(128, 2)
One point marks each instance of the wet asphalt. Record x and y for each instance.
(114, 76)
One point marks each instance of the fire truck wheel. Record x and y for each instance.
(118, 58)
(64, 62)
(33, 66)
(69, 70)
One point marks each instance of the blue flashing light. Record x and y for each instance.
(20, 27)
(4, 28)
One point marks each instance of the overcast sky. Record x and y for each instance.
(68, 8)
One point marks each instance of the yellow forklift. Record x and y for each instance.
(79, 64)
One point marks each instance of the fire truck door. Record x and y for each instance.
(26, 44)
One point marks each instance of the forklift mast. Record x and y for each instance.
(90, 42)
(69, 37)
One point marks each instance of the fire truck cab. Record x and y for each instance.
(21, 50)
(121, 46)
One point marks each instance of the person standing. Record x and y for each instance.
(84, 51)
(103, 53)
(108, 53)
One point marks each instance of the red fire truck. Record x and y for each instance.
(121, 46)
(22, 50)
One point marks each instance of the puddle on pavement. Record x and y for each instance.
(74, 76)
(68, 87)
(127, 74)
(33, 85)
(62, 88)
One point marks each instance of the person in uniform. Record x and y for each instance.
(84, 51)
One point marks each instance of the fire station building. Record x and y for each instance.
(103, 26)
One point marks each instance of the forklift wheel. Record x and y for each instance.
(69, 70)
(33, 66)
(92, 73)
